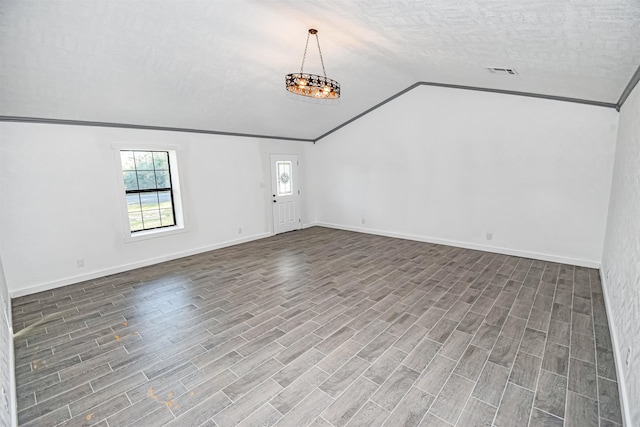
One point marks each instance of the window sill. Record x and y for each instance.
(152, 234)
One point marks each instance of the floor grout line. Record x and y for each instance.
(595, 351)
(566, 397)
(495, 416)
(535, 392)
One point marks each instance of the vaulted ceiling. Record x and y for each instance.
(219, 65)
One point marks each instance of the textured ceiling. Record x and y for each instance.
(220, 65)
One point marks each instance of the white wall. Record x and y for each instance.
(449, 166)
(60, 199)
(621, 258)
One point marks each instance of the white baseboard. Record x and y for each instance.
(126, 267)
(132, 266)
(617, 354)
(467, 245)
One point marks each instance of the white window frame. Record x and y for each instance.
(176, 187)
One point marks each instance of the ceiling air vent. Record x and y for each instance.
(502, 70)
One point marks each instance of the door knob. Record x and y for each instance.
(274, 201)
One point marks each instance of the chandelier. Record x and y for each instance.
(312, 85)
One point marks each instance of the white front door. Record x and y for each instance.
(285, 193)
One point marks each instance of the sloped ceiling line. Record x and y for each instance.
(629, 88)
(627, 91)
(481, 89)
(143, 127)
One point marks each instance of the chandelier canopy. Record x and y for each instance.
(312, 85)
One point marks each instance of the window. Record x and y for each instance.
(149, 184)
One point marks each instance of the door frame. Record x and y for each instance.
(269, 190)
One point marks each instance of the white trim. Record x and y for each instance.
(617, 354)
(154, 233)
(12, 378)
(182, 225)
(126, 267)
(6, 317)
(13, 403)
(467, 245)
(144, 146)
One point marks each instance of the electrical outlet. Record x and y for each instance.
(628, 359)
(363, 220)
(489, 236)
(239, 230)
(80, 262)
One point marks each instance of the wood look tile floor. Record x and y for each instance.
(326, 328)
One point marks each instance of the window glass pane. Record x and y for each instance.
(151, 219)
(161, 160)
(128, 163)
(144, 171)
(162, 179)
(133, 202)
(130, 181)
(146, 180)
(166, 216)
(149, 201)
(144, 160)
(164, 199)
(285, 178)
(135, 221)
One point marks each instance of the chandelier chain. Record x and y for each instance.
(321, 59)
(304, 56)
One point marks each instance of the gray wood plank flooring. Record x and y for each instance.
(321, 327)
